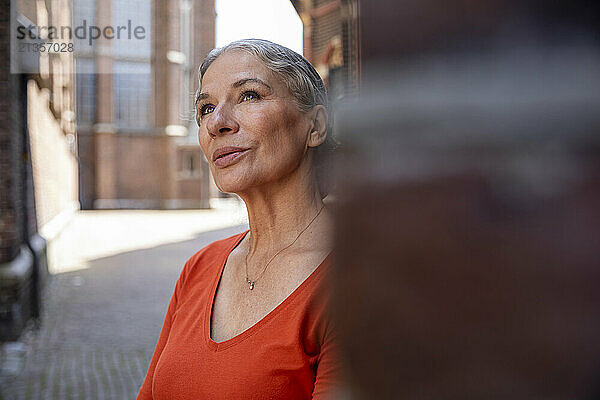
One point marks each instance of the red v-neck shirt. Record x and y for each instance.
(289, 354)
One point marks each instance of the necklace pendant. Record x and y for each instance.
(251, 285)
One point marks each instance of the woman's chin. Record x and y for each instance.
(241, 184)
(231, 185)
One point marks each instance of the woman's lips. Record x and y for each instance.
(230, 158)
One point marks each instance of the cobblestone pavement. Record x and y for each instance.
(100, 324)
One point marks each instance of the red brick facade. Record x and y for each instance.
(141, 167)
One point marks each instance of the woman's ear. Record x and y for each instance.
(318, 132)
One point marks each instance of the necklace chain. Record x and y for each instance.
(251, 282)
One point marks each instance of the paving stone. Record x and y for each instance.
(99, 325)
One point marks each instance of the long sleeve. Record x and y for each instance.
(145, 392)
(328, 369)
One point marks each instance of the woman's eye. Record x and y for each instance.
(206, 109)
(249, 96)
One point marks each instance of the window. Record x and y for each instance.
(133, 13)
(84, 13)
(86, 91)
(133, 91)
(132, 77)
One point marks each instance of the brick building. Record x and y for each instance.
(38, 183)
(137, 139)
(331, 42)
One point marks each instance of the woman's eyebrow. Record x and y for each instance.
(200, 96)
(242, 82)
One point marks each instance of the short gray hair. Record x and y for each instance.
(297, 72)
(300, 77)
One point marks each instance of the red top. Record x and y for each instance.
(289, 354)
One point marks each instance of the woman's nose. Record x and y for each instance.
(221, 121)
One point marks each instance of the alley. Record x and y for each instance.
(106, 299)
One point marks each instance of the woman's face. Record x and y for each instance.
(250, 129)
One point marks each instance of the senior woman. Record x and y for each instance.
(248, 317)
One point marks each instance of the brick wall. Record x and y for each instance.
(87, 169)
(37, 174)
(204, 31)
(331, 27)
(11, 142)
(140, 161)
(53, 161)
(325, 27)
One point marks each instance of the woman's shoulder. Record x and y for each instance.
(210, 256)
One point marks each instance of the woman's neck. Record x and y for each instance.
(277, 214)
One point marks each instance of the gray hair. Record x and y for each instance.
(300, 77)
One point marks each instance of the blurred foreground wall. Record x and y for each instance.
(468, 226)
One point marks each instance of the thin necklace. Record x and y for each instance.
(251, 282)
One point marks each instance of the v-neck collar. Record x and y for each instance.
(216, 346)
